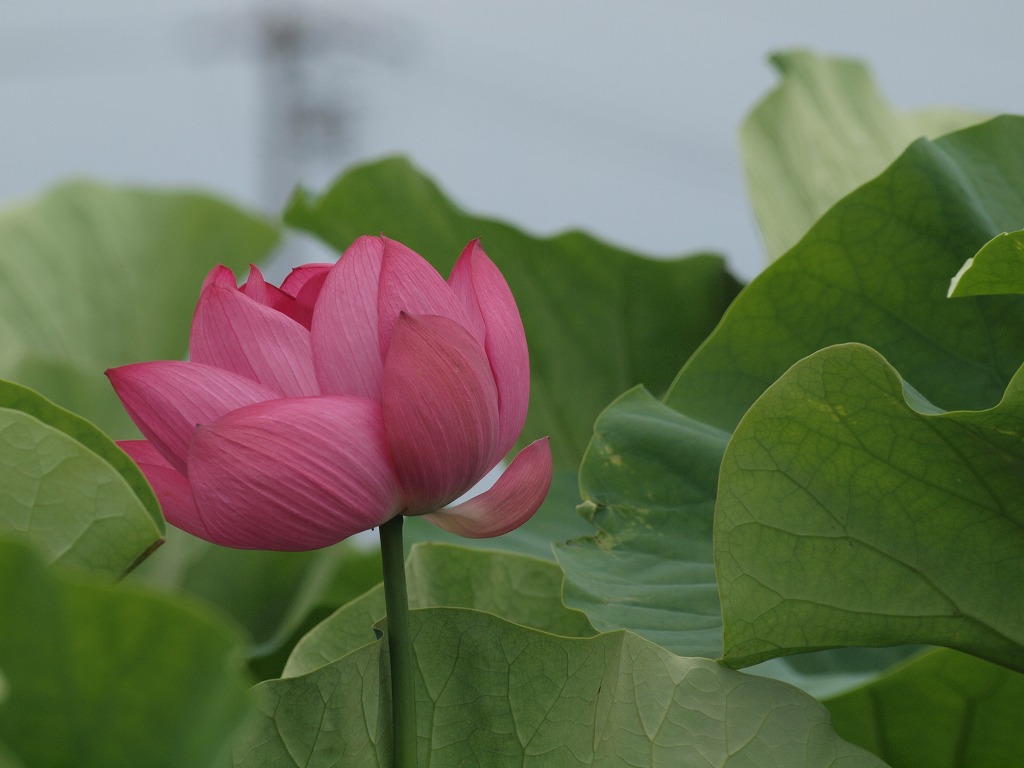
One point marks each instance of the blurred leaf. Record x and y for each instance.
(276, 596)
(598, 319)
(649, 479)
(93, 277)
(495, 693)
(518, 588)
(997, 268)
(68, 489)
(943, 709)
(820, 134)
(853, 512)
(103, 676)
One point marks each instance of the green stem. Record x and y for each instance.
(403, 667)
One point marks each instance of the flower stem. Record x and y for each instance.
(403, 667)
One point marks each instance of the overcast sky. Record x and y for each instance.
(617, 117)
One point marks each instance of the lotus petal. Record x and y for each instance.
(483, 291)
(262, 292)
(170, 486)
(408, 283)
(167, 399)
(293, 474)
(346, 350)
(233, 332)
(509, 503)
(440, 410)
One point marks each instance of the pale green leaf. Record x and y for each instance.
(68, 489)
(516, 587)
(498, 694)
(821, 133)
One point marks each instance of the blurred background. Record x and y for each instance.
(620, 117)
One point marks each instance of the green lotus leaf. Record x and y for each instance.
(851, 511)
(490, 692)
(997, 268)
(69, 490)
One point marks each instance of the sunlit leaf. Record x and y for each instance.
(997, 268)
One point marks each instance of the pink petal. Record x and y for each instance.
(219, 275)
(299, 276)
(294, 474)
(483, 291)
(440, 410)
(306, 298)
(409, 284)
(262, 292)
(166, 399)
(170, 486)
(346, 351)
(233, 332)
(509, 503)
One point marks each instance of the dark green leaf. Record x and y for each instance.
(943, 709)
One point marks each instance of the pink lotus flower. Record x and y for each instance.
(351, 394)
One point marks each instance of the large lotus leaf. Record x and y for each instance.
(598, 320)
(101, 676)
(876, 269)
(93, 277)
(997, 268)
(276, 596)
(648, 480)
(820, 134)
(853, 512)
(516, 587)
(68, 489)
(494, 693)
(943, 709)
